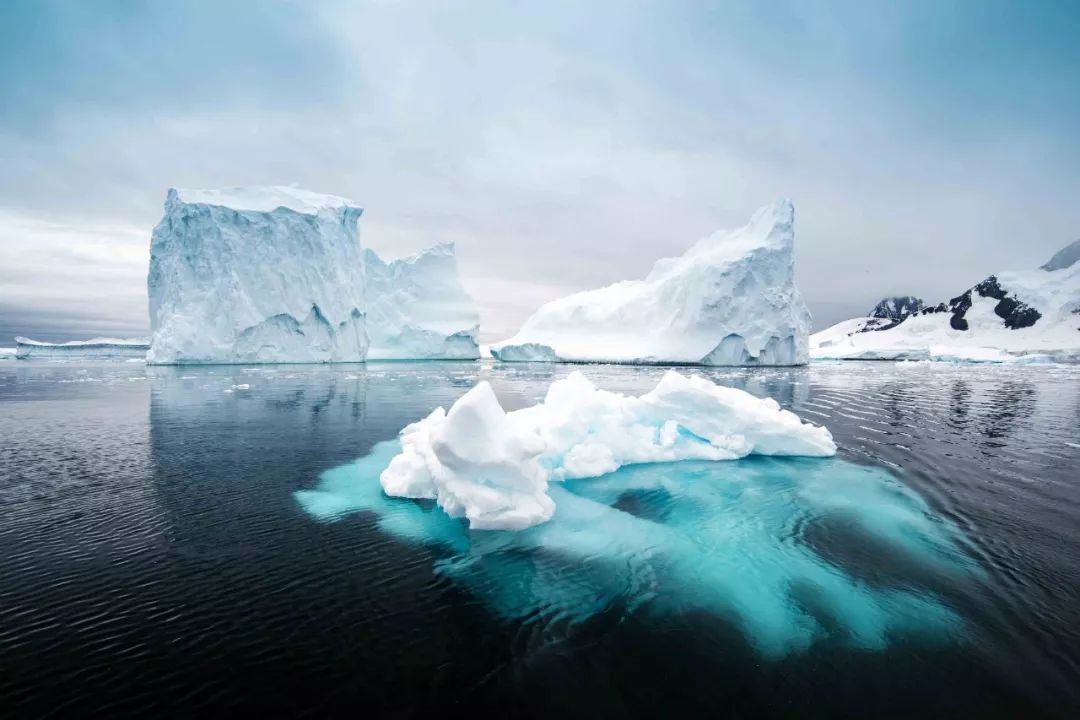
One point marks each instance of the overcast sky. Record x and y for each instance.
(926, 144)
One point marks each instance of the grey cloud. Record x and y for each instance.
(561, 146)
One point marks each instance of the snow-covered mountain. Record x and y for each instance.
(259, 274)
(1025, 315)
(1063, 258)
(417, 307)
(730, 299)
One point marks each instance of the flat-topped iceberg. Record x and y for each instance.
(730, 299)
(101, 347)
(258, 274)
(493, 468)
(1012, 316)
(417, 307)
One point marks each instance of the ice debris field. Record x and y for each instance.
(675, 501)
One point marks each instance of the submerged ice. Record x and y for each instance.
(740, 540)
(493, 468)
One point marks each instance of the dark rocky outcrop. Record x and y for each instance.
(897, 308)
(1015, 313)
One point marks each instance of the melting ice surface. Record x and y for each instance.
(739, 539)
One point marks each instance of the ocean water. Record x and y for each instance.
(183, 540)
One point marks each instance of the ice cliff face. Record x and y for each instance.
(1024, 315)
(730, 299)
(418, 308)
(269, 274)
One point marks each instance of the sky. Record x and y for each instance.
(562, 145)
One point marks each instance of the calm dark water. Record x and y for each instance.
(154, 557)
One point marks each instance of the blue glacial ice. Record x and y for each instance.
(746, 540)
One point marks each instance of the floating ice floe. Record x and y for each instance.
(493, 467)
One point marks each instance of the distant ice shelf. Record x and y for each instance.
(97, 347)
(730, 299)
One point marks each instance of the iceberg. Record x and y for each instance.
(256, 275)
(730, 299)
(741, 541)
(417, 308)
(101, 347)
(1011, 316)
(493, 468)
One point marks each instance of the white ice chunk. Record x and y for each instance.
(418, 308)
(730, 299)
(475, 463)
(256, 275)
(493, 467)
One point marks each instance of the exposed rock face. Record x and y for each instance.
(897, 308)
(1014, 312)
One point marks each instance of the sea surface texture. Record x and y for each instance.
(185, 540)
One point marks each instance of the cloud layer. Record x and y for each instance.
(561, 145)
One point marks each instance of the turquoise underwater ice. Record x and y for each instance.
(730, 538)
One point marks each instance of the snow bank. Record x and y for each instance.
(493, 467)
(97, 347)
(417, 308)
(1013, 316)
(730, 299)
(262, 274)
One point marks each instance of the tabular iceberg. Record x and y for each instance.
(1012, 316)
(417, 308)
(101, 347)
(730, 299)
(261, 274)
(493, 467)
